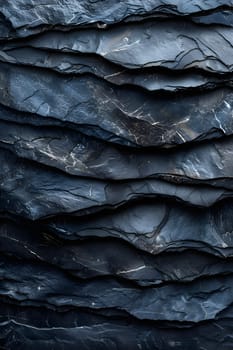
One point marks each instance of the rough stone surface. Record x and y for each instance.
(116, 180)
(26, 16)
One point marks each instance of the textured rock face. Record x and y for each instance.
(116, 180)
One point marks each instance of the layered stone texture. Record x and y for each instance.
(116, 180)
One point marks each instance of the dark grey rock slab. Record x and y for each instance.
(77, 64)
(128, 115)
(25, 15)
(171, 44)
(157, 227)
(27, 118)
(96, 257)
(80, 155)
(106, 334)
(34, 192)
(36, 285)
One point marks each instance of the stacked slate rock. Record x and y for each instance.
(116, 180)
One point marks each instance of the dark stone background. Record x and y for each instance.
(116, 174)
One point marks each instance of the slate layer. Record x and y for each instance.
(116, 180)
